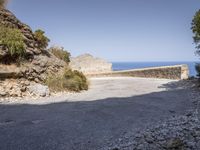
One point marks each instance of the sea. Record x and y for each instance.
(136, 65)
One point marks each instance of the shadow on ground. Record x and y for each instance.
(87, 124)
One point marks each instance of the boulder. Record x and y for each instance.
(88, 64)
(2, 92)
(39, 90)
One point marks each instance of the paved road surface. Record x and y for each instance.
(89, 120)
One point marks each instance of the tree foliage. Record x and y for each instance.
(197, 67)
(196, 30)
(42, 40)
(13, 40)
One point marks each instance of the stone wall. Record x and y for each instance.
(177, 72)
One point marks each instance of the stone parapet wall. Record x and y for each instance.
(177, 72)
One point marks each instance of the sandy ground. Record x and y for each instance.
(101, 88)
(90, 119)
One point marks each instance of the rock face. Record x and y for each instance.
(39, 61)
(90, 65)
(35, 68)
(13, 88)
(8, 19)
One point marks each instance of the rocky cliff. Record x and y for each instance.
(35, 67)
(88, 64)
(9, 20)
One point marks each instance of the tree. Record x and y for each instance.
(41, 39)
(196, 30)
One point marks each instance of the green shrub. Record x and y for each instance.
(69, 81)
(196, 30)
(60, 53)
(13, 40)
(41, 39)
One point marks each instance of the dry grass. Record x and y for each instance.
(69, 81)
(60, 53)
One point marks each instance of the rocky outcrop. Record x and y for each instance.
(8, 19)
(13, 88)
(41, 66)
(90, 65)
(35, 67)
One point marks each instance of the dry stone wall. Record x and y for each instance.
(166, 72)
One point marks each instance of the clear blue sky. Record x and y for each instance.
(117, 30)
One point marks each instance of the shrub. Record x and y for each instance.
(13, 40)
(196, 30)
(69, 81)
(60, 53)
(196, 38)
(197, 67)
(41, 39)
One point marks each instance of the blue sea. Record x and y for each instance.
(135, 65)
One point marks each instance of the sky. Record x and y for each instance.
(116, 30)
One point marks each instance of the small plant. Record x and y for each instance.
(41, 39)
(13, 40)
(60, 53)
(69, 81)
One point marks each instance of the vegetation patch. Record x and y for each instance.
(197, 67)
(42, 40)
(196, 31)
(60, 53)
(13, 40)
(69, 81)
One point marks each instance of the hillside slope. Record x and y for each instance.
(37, 63)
